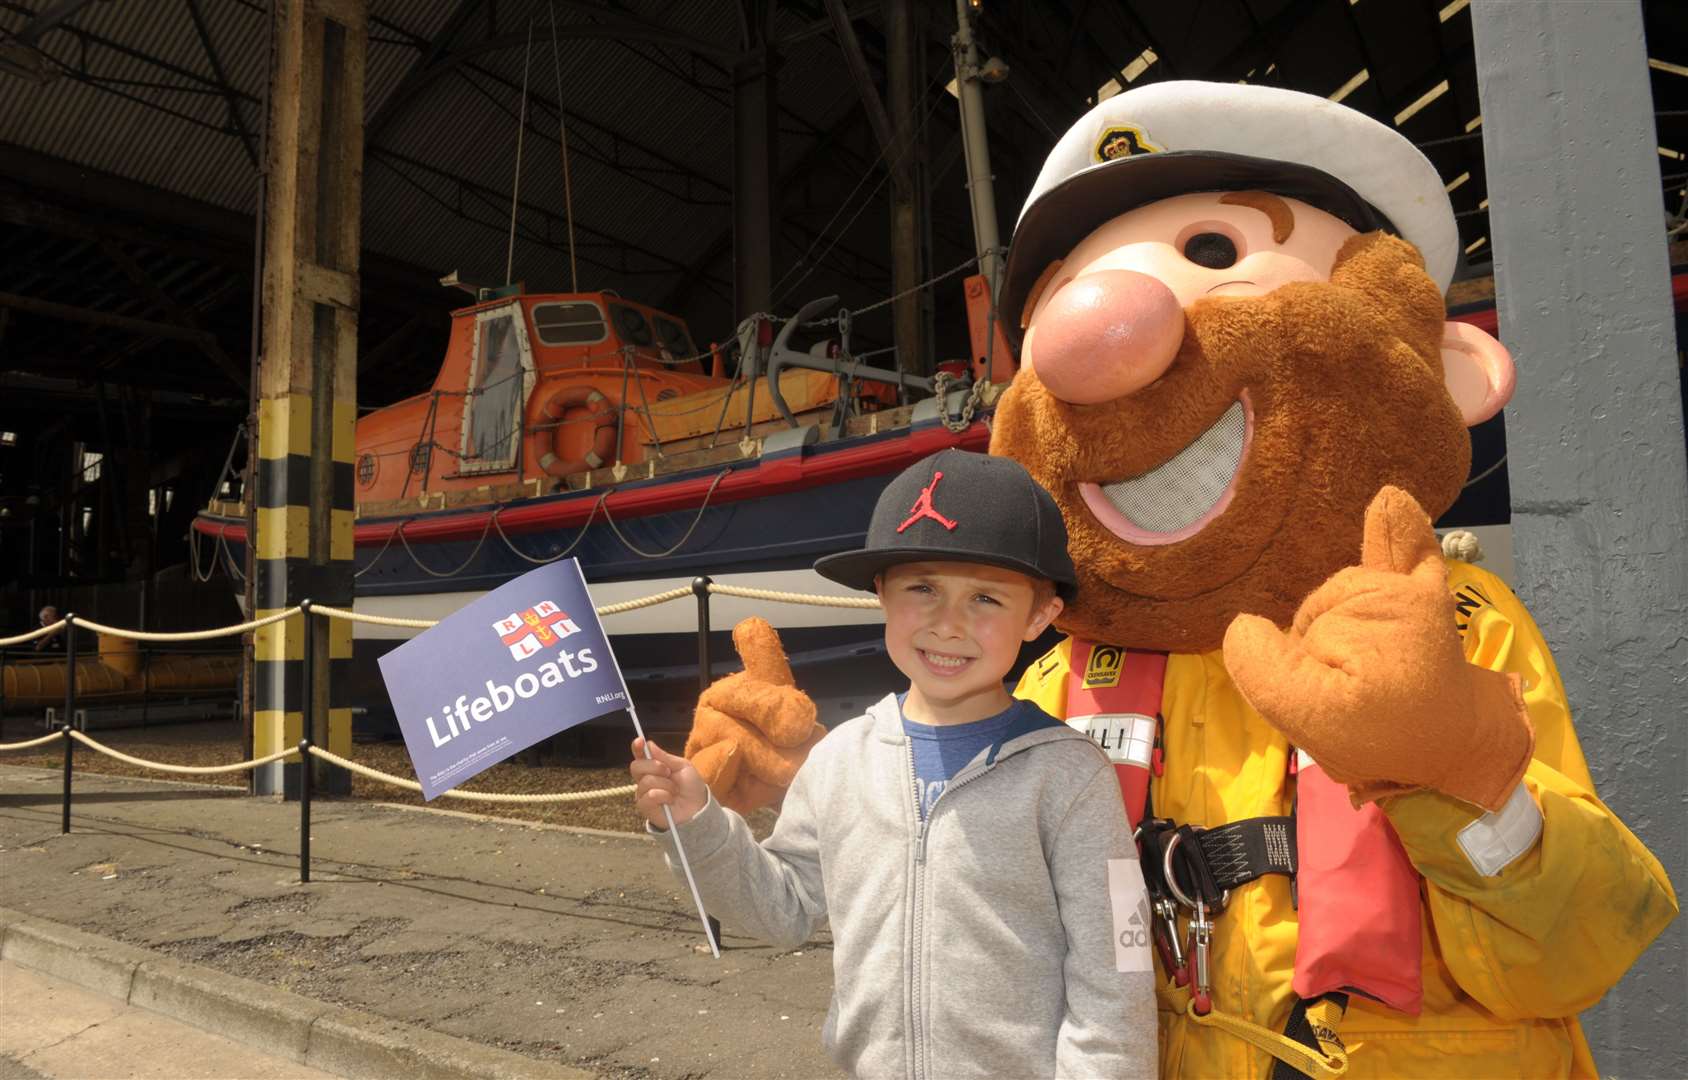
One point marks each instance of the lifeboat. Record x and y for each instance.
(592, 426)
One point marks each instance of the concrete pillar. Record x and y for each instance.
(755, 127)
(1599, 484)
(307, 404)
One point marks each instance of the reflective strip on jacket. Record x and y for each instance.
(1509, 960)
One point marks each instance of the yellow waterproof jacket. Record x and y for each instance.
(1509, 960)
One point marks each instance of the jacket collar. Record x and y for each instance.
(887, 727)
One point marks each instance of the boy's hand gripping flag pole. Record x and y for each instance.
(667, 812)
(674, 833)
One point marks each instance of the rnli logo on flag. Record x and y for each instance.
(530, 632)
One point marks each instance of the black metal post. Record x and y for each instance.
(69, 711)
(305, 810)
(700, 589)
(2, 692)
(146, 682)
(308, 707)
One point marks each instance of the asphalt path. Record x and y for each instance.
(564, 945)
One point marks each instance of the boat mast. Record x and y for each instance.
(516, 187)
(979, 188)
(563, 124)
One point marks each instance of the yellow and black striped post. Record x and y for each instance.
(307, 408)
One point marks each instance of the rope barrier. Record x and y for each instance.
(424, 624)
(33, 634)
(471, 796)
(373, 620)
(187, 635)
(190, 770)
(43, 740)
(646, 601)
(814, 599)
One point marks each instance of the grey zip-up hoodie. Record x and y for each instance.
(981, 943)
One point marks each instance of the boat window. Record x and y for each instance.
(631, 325)
(673, 337)
(495, 399)
(577, 323)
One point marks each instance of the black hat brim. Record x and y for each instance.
(857, 569)
(1072, 209)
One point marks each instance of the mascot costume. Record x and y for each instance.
(1370, 840)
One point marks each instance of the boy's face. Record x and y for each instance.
(955, 629)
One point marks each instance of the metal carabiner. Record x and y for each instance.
(1201, 942)
(1167, 940)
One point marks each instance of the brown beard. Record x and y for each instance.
(1344, 382)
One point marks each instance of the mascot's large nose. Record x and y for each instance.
(1105, 335)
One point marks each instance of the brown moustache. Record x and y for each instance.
(1343, 381)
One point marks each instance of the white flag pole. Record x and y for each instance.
(674, 834)
(667, 813)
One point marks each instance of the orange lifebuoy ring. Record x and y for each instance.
(545, 435)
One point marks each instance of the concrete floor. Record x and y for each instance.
(565, 946)
(52, 1029)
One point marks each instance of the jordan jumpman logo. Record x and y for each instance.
(922, 507)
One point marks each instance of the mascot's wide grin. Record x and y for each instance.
(1178, 498)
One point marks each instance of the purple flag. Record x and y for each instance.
(525, 661)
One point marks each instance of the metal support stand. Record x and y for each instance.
(305, 811)
(308, 705)
(2, 693)
(69, 745)
(700, 589)
(69, 711)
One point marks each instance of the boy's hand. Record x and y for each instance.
(753, 729)
(669, 780)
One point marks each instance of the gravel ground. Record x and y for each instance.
(218, 742)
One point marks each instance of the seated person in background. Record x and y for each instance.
(963, 844)
(53, 642)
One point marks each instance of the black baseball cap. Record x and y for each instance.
(960, 507)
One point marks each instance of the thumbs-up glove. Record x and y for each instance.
(753, 729)
(1372, 681)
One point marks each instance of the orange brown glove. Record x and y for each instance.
(1372, 681)
(753, 729)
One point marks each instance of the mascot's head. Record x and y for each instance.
(1233, 335)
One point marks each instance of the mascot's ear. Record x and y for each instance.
(1477, 370)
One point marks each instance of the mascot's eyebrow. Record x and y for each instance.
(1282, 217)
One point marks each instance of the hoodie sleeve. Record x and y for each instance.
(1109, 1028)
(772, 890)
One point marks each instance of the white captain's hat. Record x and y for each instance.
(1173, 138)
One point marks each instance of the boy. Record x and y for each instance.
(959, 841)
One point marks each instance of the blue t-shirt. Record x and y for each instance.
(942, 750)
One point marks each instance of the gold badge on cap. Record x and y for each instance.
(1123, 140)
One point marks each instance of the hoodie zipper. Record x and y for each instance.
(915, 990)
(914, 922)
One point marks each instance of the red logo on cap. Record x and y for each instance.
(922, 507)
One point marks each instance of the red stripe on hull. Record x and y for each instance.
(769, 478)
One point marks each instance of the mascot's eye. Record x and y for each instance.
(1212, 250)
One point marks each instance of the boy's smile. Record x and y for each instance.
(954, 629)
